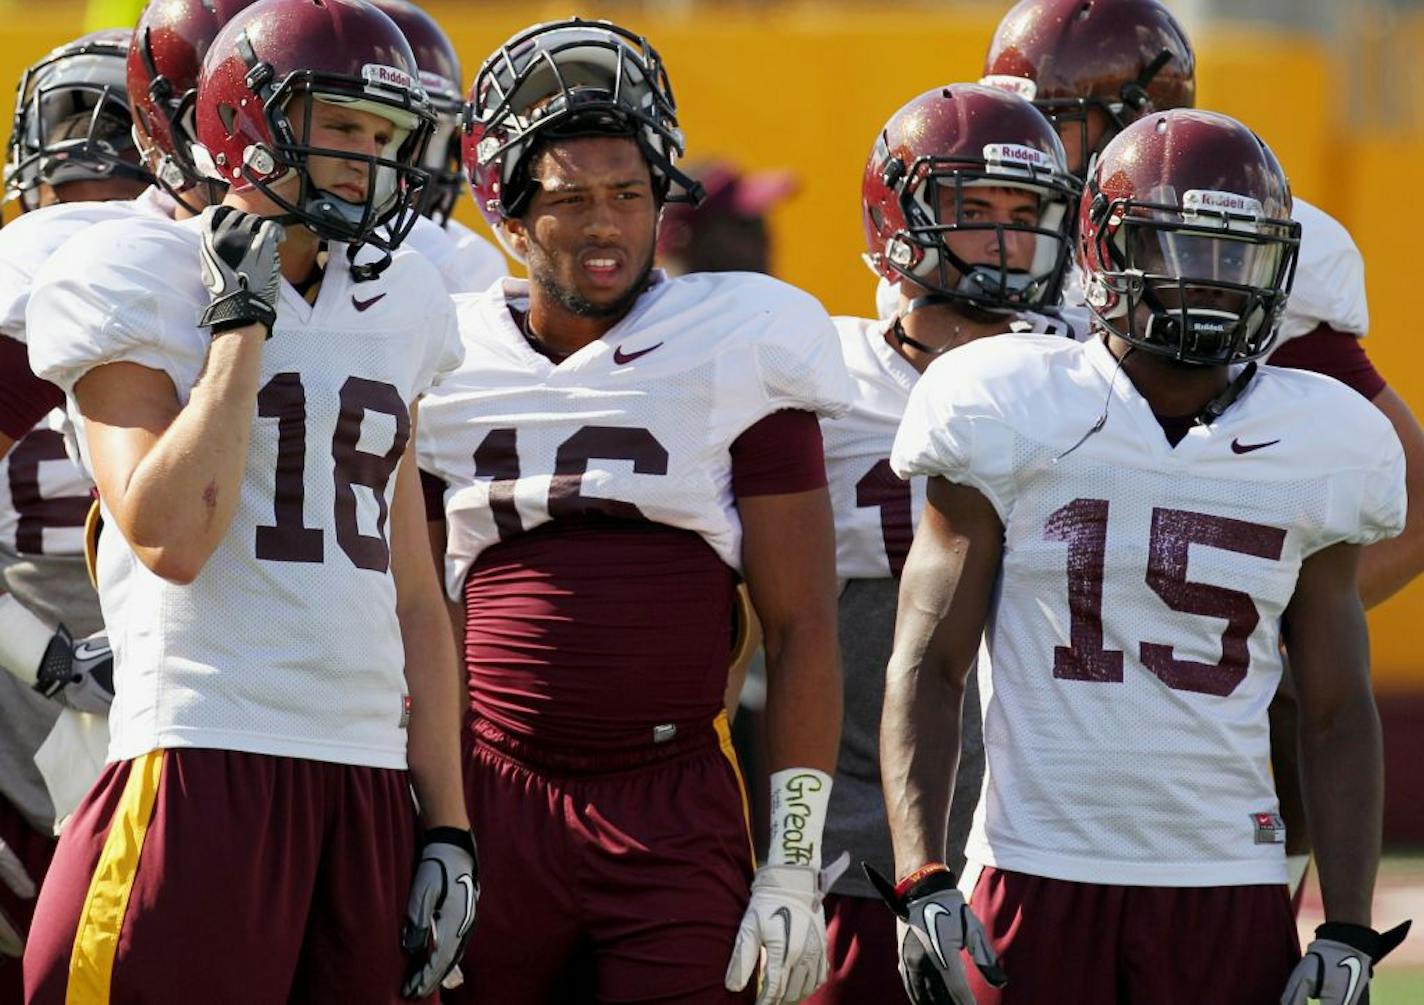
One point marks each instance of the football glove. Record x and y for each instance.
(78, 675)
(933, 923)
(440, 914)
(1338, 965)
(785, 921)
(241, 269)
(17, 880)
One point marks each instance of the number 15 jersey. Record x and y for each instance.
(1134, 639)
(287, 642)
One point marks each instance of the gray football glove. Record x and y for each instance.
(241, 269)
(934, 924)
(440, 914)
(1337, 966)
(17, 879)
(78, 675)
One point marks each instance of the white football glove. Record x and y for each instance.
(1338, 965)
(784, 920)
(440, 914)
(14, 875)
(932, 925)
(241, 269)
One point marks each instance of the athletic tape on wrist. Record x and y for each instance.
(23, 640)
(799, 800)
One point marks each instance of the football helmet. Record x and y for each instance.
(561, 80)
(72, 119)
(933, 150)
(169, 43)
(440, 75)
(1187, 213)
(277, 52)
(1123, 57)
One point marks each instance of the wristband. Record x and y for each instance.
(24, 640)
(457, 836)
(942, 873)
(799, 801)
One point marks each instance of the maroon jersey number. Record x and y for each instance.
(886, 491)
(288, 540)
(35, 511)
(497, 458)
(1083, 524)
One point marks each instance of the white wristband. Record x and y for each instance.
(23, 640)
(799, 800)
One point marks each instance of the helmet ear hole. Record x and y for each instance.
(228, 116)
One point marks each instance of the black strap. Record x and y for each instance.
(1214, 408)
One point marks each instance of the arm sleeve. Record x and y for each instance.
(1335, 354)
(24, 398)
(799, 359)
(1384, 501)
(780, 455)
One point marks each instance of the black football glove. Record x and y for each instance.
(934, 924)
(440, 914)
(78, 675)
(241, 269)
(1338, 964)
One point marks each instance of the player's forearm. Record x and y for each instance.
(1343, 769)
(178, 502)
(803, 700)
(436, 700)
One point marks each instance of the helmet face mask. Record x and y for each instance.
(72, 121)
(967, 196)
(1197, 274)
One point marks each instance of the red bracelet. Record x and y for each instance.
(928, 869)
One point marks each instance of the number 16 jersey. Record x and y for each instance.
(287, 642)
(1134, 639)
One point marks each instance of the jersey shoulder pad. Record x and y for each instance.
(1329, 287)
(122, 290)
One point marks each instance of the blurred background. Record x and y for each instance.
(792, 93)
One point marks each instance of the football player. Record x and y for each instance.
(969, 210)
(1093, 68)
(616, 450)
(69, 130)
(467, 262)
(244, 400)
(1139, 521)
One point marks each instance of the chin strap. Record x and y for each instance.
(1217, 406)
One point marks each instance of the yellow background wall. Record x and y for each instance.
(802, 86)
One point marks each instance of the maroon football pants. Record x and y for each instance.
(193, 875)
(603, 880)
(1083, 942)
(34, 850)
(864, 959)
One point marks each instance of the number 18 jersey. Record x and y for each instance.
(287, 642)
(1134, 640)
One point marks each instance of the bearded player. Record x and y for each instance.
(265, 568)
(1094, 67)
(968, 210)
(1138, 522)
(616, 450)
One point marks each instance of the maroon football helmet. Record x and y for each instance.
(169, 43)
(341, 52)
(72, 119)
(1187, 214)
(561, 80)
(926, 161)
(1124, 58)
(440, 75)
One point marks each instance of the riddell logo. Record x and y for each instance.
(435, 82)
(379, 73)
(1222, 202)
(1016, 155)
(1021, 86)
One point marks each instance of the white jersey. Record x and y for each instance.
(1134, 641)
(637, 423)
(44, 497)
(467, 263)
(287, 643)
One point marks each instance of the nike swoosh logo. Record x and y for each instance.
(933, 913)
(83, 651)
(620, 357)
(1353, 965)
(780, 912)
(1237, 447)
(469, 885)
(362, 305)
